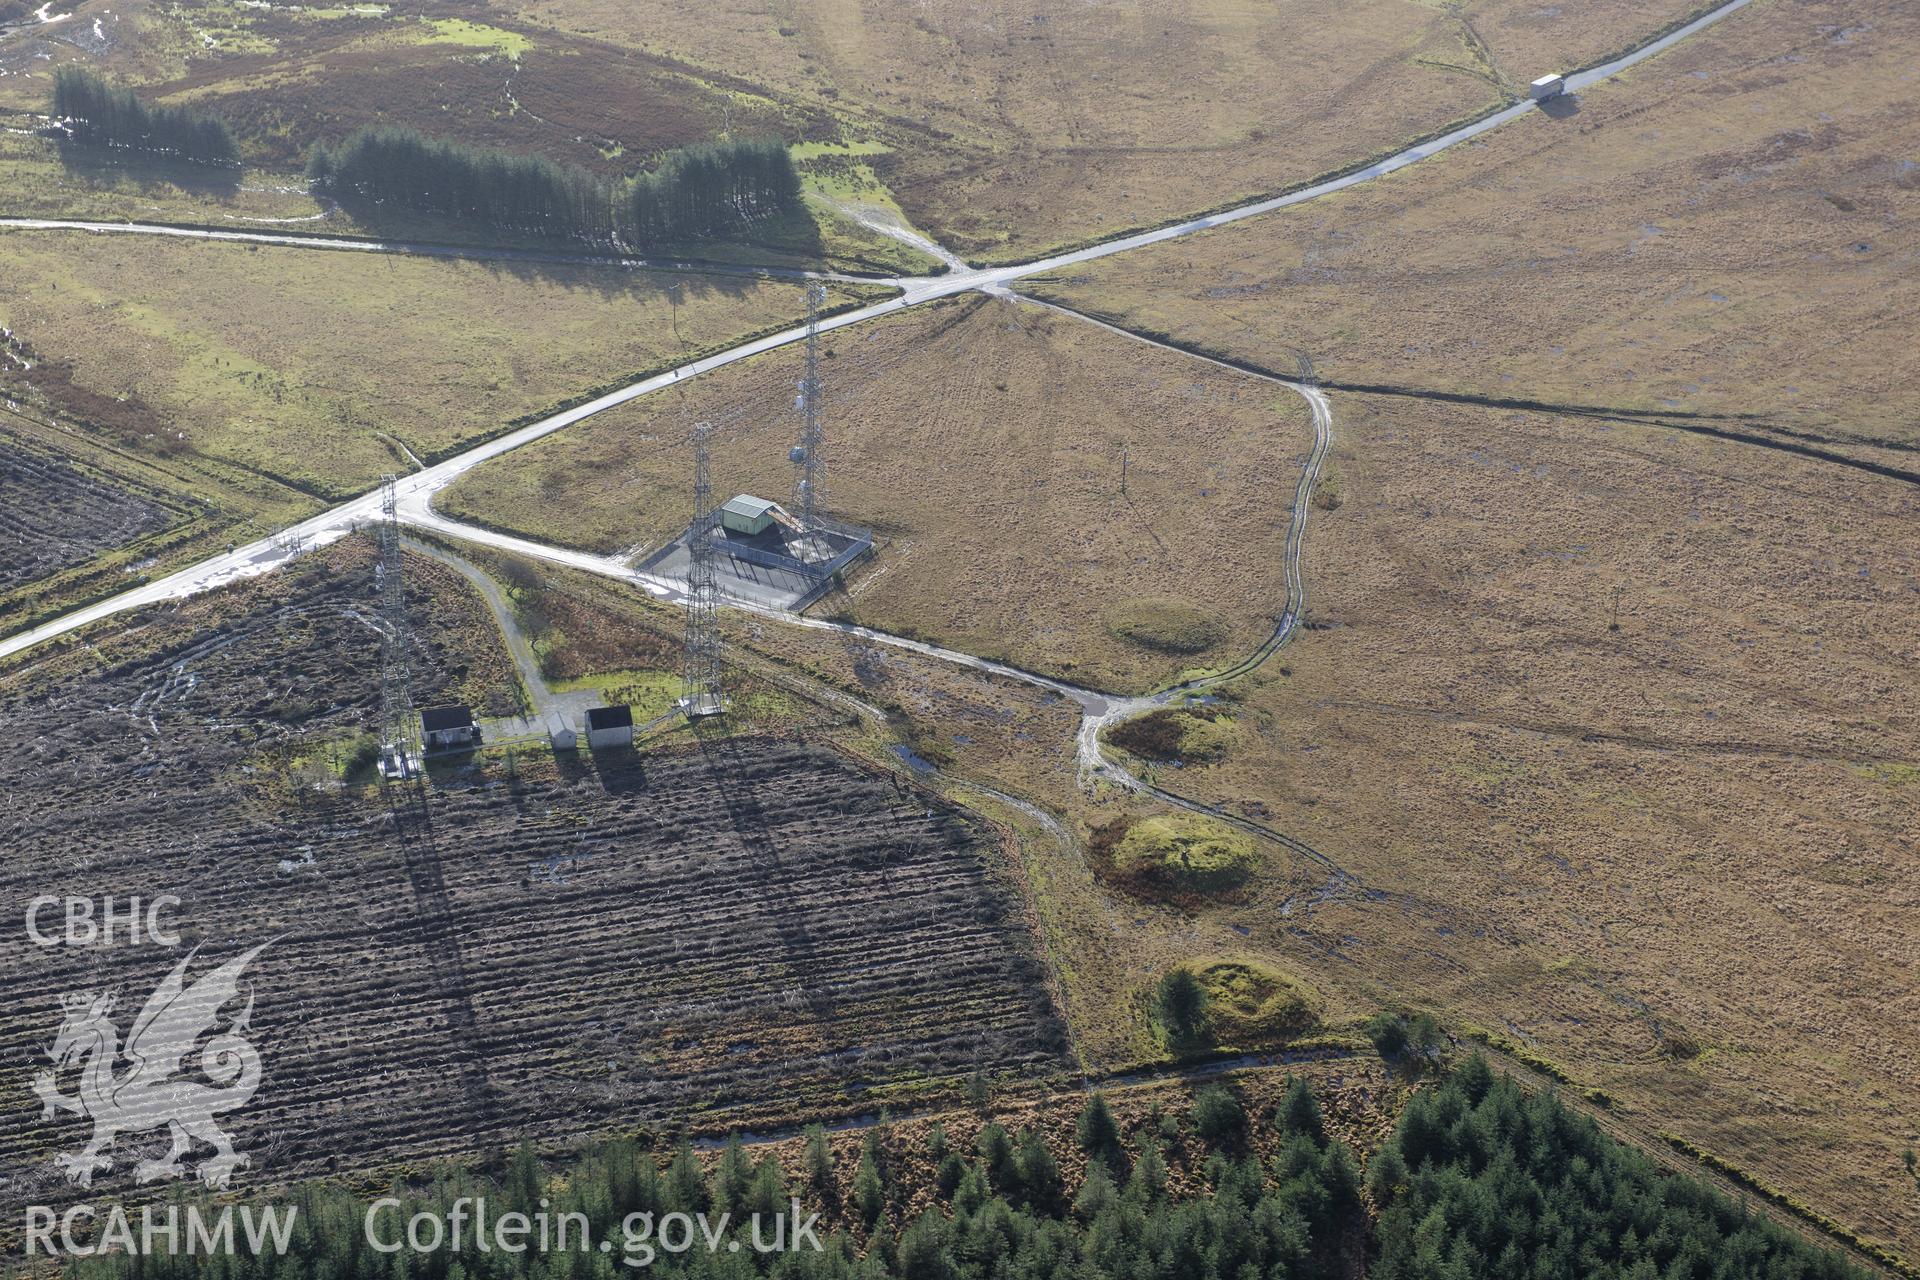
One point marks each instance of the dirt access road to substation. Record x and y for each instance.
(1099, 710)
(269, 553)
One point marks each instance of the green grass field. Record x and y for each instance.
(324, 369)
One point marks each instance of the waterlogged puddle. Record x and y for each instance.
(913, 759)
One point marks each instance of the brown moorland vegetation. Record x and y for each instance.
(1013, 128)
(1004, 130)
(984, 441)
(1723, 237)
(1679, 850)
(1676, 856)
(1004, 749)
(1669, 856)
(286, 77)
(1527, 39)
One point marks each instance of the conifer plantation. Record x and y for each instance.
(99, 114)
(695, 192)
(1478, 1180)
(1482, 1182)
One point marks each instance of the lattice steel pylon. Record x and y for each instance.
(702, 694)
(399, 737)
(810, 455)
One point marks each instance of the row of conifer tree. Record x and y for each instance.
(97, 113)
(693, 193)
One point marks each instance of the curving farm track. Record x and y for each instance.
(1098, 710)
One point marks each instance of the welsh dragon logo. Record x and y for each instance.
(152, 1093)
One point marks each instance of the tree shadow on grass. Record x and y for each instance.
(720, 266)
(723, 267)
(106, 166)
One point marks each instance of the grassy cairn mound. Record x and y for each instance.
(1168, 626)
(1185, 852)
(1186, 735)
(1250, 1005)
(1228, 1004)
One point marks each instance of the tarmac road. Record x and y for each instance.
(428, 249)
(415, 490)
(964, 278)
(1098, 710)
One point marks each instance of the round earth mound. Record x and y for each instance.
(1250, 1005)
(1168, 626)
(1181, 735)
(1186, 852)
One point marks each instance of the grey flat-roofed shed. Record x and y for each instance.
(609, 727)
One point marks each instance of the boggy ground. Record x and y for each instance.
(1675, 857)
(723, 935)
(985, 442)
(286, 77)
(1003, 129)
(1691, 837)
(1724, 237)
(289, 77)
(1007, 129)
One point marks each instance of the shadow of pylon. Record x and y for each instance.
(439, 937)
(728, 766)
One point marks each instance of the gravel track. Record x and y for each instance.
(724, 937)
(417, 489)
